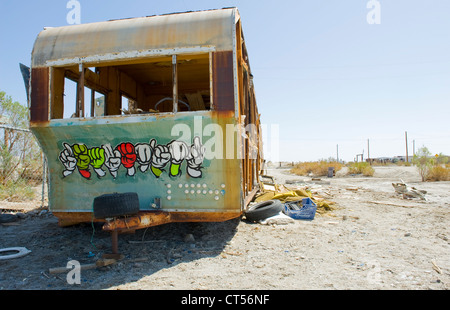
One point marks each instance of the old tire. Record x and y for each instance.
(115, 205)
(263, 210)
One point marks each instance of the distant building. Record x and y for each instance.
(385, 160)
(403, 158)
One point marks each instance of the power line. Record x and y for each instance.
(352, 65)
(353, 78)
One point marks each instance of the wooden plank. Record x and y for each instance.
(175, 83)
(196, 102)
(80, 94)
(113, 104)
(57, 93)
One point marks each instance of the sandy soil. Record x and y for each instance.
(373, 240)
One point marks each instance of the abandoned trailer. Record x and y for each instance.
(152, 100)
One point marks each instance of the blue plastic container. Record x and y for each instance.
(307, 210)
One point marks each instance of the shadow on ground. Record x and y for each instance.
(145, 252)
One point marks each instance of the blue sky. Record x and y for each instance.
(323, 74)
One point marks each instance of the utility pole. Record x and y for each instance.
(414, 147)
(368, 151)
(337, 152)
(406, 139)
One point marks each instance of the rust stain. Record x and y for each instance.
(211, 217)
(144, 219)
(223, 82)
(66, 219)
(190, 29)
(39, 95)
(150, 219)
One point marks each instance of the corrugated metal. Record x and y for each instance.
(176, 31)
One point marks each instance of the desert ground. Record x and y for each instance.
(372, 240)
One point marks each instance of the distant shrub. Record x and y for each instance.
(16, 191)
(316, 168)
(363, 168)
(439, 173)
(432, 168)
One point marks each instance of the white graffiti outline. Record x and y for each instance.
(148, 156)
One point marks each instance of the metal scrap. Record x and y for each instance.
(409, 192)
(270, 190)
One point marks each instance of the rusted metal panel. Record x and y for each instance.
(206, 185)
(150, 219)
(144, 219)
(39, 95)
(209, 191)
(176, 31)
(223, 81)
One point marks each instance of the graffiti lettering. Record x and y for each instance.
(195, 159)
(178, 152)
(144, 155)
(112, 159)
(127, 155)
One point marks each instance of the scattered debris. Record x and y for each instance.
(19, 252)
(277, 203)
(267, 183)
(346, 217)
(263, 210)
(292, 194)
(387, 203)
(353, 189)
(331, 172)
(100, 263)
(279, 219)
(189, 238)
(146, 241)
(232, 253)
(170, 258)
(304, 209)
(436, 267)
(408, 191)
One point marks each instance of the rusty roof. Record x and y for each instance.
(161, 33)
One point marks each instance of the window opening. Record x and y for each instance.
(135, 88)
(129, 106)
(70, 98)
(194, 82)
(99, 104)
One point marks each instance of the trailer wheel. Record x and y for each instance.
(115, 205)
(263, 210)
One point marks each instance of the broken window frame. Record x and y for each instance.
(82, 81)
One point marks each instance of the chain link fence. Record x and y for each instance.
(23, 177)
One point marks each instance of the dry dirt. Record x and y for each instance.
(373, 240)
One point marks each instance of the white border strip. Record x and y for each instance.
(129, 55)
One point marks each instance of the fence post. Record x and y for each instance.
(44, 178)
